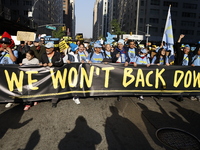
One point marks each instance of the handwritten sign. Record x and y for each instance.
(25, 36)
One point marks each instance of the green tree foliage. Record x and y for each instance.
(116, 28)
(58, 33)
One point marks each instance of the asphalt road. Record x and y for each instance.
(105, 124)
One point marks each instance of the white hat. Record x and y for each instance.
(49, 45)
(121, 41)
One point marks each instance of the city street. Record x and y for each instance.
(129, 124)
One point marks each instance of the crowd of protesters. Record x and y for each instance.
(128, 53)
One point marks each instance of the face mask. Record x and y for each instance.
(142, 55)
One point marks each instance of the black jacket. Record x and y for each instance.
(125, 51)
(180, 54)
(56, 59)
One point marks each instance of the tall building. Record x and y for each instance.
(41, 13)
(69, 17)
(185, 17)
(100, 18)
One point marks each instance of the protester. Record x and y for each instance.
(38, 49)
(82, 52)
(132, 51)
(8, 56)
(160, 58)
(29, 60)
(97, 56)
(120, 55)
(183, 58)
(73, 56)
(51, 58)
(22, 49)
(142, 59)
(107, 53)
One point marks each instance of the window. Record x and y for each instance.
(189, 6)
(153, 30)
(154, 11)
(198, 33)
(187, 14)
(155, 2)
(187, 32)
(173, 4)
(153, 20)
(188, 23)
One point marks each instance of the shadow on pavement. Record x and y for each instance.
(192, 117)
(160, 120)
(10, 119)
(33, 141)
(82, 137)
(122, 134)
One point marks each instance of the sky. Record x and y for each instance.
(84, 17)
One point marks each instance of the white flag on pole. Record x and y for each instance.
(168, 37)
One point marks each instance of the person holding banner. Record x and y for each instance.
(7, 54)
(160, 58)
(73, 56)
(132, 51)
(29, 60)
(51, 58)
(97, 56)
(142, 59)
(120, 55)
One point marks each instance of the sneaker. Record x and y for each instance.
(35, 103)
(54, 105)
(8, 105)
(119, 98)
(76, 100)
(141, 97)
(100, 98)
(95, 98)
(27, 107)
(192, 98)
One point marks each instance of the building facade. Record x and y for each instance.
(69, 17)
(42, 12)
(100, 18)
(185, 17)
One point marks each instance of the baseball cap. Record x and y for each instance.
(49, 45)
(5, 40)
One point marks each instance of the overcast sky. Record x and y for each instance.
(84, 17)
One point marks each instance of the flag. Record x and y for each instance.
(168, 37)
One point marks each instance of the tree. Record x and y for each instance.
(58, 33)
(116, 28)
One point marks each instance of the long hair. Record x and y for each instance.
(158, 55)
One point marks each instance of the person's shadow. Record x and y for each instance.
(10, 119)
(122, 134)
(33, 141)
(192, 117)
(82, 137)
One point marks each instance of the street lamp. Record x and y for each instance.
(147, 34)
(30, 13)
(137, 17)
